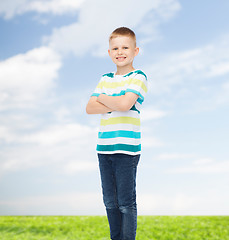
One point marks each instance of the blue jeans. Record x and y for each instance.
(118, 177)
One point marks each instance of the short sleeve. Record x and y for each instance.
(98, 89)
(138, 85)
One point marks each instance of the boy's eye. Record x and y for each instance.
(115, 48)
(125, 47)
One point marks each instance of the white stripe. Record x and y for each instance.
(116, 127)
(119, 151)
(97, 90)
(111, 91)
(138, 106)
(111, 141)
(117, 79)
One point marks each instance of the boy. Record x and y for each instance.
(118, 97)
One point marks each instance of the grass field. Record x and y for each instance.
(96, 228)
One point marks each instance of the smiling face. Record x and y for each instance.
(122, 50)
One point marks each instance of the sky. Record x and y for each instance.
(52, 55)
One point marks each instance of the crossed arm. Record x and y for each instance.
(104, 103)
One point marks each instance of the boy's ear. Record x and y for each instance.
(109, 52)
(136, 51)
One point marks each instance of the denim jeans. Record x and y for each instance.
(118, 178)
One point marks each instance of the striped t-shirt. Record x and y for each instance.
(119, 132)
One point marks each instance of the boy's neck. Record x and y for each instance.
(124, 70)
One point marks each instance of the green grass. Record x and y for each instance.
(96, 228)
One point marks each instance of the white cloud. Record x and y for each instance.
(158, 204)
(193, 66)
(26, 78)
(54, 6)
(6, 135)
(98, 18)
(76, 167)
(149, 113)
(194, 80)
(11, 8)
(60, 134)
(30, 140)
(194, 163)
(63, 204)
(174, 156)
(203, 161)
(58, 158)
(203, 166)
(63, 114)
(91, 204)
(222, 96)
(149, 142)
(56, 146)
(182, 204)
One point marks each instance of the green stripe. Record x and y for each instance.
(128, 74)
(95, 94)
(118, 120)
(123, 92)
(120, 133)
(141, 72)
(116, 147)
(138, 93)
(111, 75)
(135, 109)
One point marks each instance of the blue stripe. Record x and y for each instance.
(120, 133)
(138, 93)
(141, 72)
(116, 147)
(123, 92)
(95, 94)
(139, 100)
(113, 95)
(136, 71)
(118, 94)
(134, 109)
(111, 75)
(128, 74)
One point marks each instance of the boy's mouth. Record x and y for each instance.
(120, 58)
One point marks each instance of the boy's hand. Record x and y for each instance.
(95, 107)
(119, 103)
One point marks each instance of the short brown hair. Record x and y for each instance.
(123, 31)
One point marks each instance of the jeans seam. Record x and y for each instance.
(115, 193)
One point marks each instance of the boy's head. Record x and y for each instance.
(122, 48)
(123, 31)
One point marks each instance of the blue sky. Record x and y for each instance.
(52, 55)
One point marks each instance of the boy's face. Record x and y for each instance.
(122, 51)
